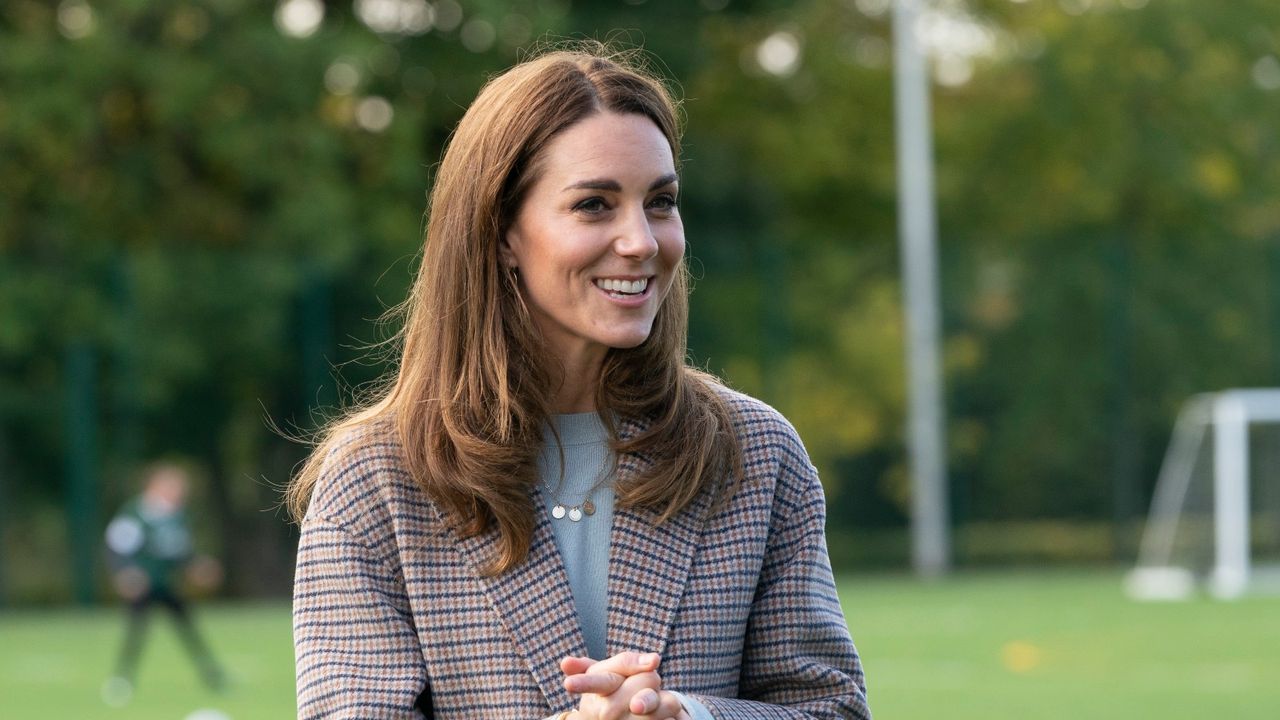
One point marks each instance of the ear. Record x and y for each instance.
(506, 255)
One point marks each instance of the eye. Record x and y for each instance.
(666, 202)
(592, 206)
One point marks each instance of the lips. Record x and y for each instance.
(614, 286)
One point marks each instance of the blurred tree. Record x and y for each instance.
(216, 198)
(182, 186)
(1107, 173)
(1135, 267)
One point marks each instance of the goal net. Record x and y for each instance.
(1215, 514)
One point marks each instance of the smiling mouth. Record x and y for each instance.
(623, 288)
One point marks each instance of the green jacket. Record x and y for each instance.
(159, 544)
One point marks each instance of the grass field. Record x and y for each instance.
(991, 646)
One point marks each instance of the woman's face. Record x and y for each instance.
(598, 237)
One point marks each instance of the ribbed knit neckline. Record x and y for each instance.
(575, 429)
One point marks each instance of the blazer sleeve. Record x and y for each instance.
(798, 660)
(355, 645)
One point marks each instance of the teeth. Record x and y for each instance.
(629, 287)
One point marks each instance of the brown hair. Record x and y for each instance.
(472, 391)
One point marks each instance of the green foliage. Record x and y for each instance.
(183, 189)
(1108, 234)
(213, 209)
(1133, 270)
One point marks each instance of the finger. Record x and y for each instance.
(644, 702)
(670, 706)
(571, 665)
(598, 683)
(606, 676)
(649, 704)
(628, 663)
(608, 683)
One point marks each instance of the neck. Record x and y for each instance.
(577, 391)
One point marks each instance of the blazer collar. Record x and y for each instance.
(648, 567)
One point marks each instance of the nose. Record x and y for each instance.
(635, 236)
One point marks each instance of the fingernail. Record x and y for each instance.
(649, 658)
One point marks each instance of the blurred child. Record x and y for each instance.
(149, 543)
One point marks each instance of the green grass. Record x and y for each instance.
(992, 646)
(1060, 645)
(52, 665)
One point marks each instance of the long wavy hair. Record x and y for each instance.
(472, 390)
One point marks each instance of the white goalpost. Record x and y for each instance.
(1199, 526)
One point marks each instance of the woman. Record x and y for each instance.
(547, 513)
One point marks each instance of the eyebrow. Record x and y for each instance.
(614, 186)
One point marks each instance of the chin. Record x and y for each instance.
(628, 344)
(628, 341)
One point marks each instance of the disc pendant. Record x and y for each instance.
(558, 511)
(589, 508)
(575, 514)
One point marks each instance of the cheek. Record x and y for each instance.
(672, 253)
(671, 246)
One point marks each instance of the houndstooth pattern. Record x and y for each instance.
(388, 601)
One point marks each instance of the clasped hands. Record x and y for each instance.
(623, 687)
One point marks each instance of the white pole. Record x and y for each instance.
(1230, 497)
(917, 225)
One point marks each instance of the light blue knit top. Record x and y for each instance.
(584, 545)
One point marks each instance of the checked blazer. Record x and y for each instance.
(390, 605)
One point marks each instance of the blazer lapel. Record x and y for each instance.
(648, 567)
(535, 603)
